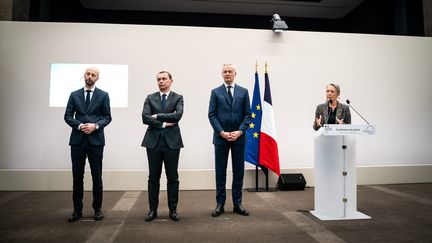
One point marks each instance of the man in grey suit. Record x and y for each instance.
(229, 115)
(87, 112)
(161, 112)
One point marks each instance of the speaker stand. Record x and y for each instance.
(257, 189)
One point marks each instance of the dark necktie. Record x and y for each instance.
(230, 94)
(163, 102)
(87, 99)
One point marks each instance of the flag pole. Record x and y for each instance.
(254, 133)
(266, 169)
(256, 178)
(256, 167)
(262, 150)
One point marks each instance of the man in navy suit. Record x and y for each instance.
(161, 112)
(88, 112)
(229, 115)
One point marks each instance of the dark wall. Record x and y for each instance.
(391, 17)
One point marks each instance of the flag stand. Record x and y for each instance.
(257, 189)
(254, 131)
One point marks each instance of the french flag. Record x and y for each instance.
(268, 147)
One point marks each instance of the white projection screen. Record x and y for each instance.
(68, 77)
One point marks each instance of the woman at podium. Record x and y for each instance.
(332, 111)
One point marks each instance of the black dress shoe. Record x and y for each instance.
(152, 214)
(218, 210)
(75, 216)
(174, 216)
(240, 210)
(98, 215)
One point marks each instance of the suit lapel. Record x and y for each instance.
(158, 102)
(338, 110)
(326, 109)
(236, 96)
(168, 101)
(82, 99)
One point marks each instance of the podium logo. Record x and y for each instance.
(370, 129)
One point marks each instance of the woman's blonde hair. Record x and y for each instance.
(336, 87)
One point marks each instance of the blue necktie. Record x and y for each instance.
(164, 103)
(87, 99)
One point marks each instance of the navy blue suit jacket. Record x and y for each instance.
(99, 112)
(228, 117)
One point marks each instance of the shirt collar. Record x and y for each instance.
(167, 94)
(92, 89)
(226, 85)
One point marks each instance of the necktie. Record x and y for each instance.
(230, 94)
(163, 102)
(87, 99)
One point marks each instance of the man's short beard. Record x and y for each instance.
(89, 82)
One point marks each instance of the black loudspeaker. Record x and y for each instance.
(291, 182)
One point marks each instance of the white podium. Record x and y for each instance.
(335, 171)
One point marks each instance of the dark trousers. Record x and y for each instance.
(79, 153)
(157, 156)
(221, 160)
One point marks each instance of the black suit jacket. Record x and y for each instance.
(99, 112)
(173, 114)
(224, 116)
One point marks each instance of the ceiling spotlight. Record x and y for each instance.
(278, 24)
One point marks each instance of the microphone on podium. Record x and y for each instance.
(329, 102)
(348, 102)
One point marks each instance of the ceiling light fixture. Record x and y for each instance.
(278, 24)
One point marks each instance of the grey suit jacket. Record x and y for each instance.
(98, 112)
(173, 114)
(224, 116)
(342, 112)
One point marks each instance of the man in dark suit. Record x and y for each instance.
(229, 115)
(88, 112)
(161, 112)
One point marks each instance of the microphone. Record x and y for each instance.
(329, 102)
(348, 102)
